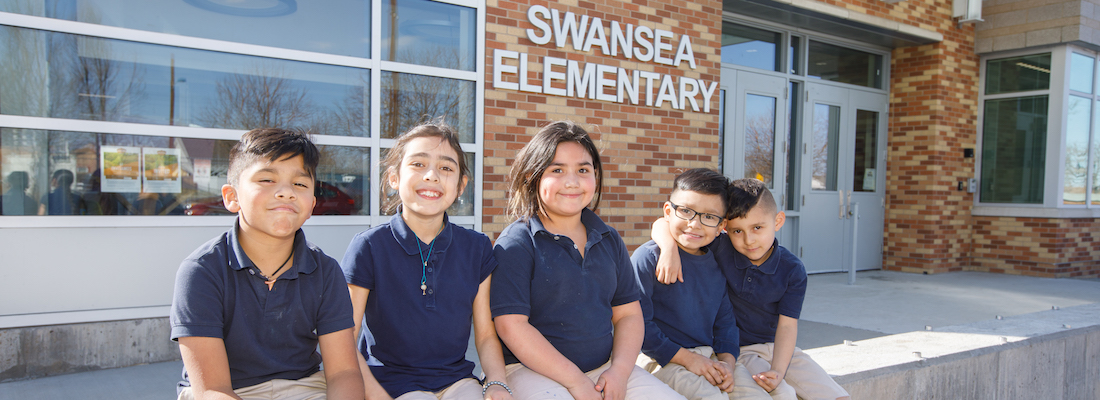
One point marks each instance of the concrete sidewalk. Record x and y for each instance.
(879, 304)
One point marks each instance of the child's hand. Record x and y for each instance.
(584, 390)
(497, 392)
(611, 385)
(703, 367)
(768, 380)
(727, 376)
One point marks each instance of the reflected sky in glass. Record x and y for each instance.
(340, 27)
(428, 33)
(114, 80)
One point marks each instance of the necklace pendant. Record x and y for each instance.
(270, 285)
(423, 289)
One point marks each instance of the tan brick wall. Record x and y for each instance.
(643, 148)
(1063, 248)
(1018, 24)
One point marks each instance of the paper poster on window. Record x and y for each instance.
(201, 173)
(119, 169)
(161, 169)
(869, 179)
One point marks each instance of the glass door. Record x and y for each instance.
(842, 168)
(756, 136)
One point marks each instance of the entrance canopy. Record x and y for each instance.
(833, 20)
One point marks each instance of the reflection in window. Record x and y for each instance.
(424, 32)
(751, 47)
(825, 144)
(341, 28)
(795, 56)
(1080, 73)
(865, 174)
(62, 75)
(408, 100)
(1017, 74)
(844, 65)
(1014, 150)
(1095, 156)
(463, 205)
(81, 173)
(760, 138)
(1077, 150)
(794, 135)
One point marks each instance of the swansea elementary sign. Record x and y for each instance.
(570, 78)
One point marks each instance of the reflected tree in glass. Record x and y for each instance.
(1077, 150)
(823, 148)
(261, 98)
(408, 100)
(88, 82)
(760, 138)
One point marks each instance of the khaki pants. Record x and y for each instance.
(464, 389)
(807, 379)
(696, 387)
(312, 387)
(530, 385)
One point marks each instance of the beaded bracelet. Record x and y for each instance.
(491, 383)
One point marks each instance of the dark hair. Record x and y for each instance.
(64, 180)
(272, 144)
(391, 163)
(705, 181)
(536, 156)
(749, 193)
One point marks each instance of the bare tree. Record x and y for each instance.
(260, 98)
(760, 147)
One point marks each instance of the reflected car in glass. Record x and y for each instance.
(330, 201)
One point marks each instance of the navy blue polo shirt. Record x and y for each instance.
(688, 314)
(760, 294)
(268, 334)
(566, 297)
(420, 338)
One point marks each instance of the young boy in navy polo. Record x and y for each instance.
(691, 338)
(252, 305)
(767, 284)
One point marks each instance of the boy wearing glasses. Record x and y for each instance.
(767, 284)
(691, 338)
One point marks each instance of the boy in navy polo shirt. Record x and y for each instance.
(691, 338)
(767, 284)
(252, 305)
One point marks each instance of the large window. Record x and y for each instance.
(1039, 143)
(129, 107)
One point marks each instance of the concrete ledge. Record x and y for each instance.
(1047, 355)
(40, 351)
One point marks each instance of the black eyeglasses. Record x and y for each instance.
(685, 213)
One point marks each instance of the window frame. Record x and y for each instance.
(1057, 120)
(375, 65)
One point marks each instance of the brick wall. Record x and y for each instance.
(1018, 24)
(1062, 248)
(643, 148)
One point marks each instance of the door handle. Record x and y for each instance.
(849, 206)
